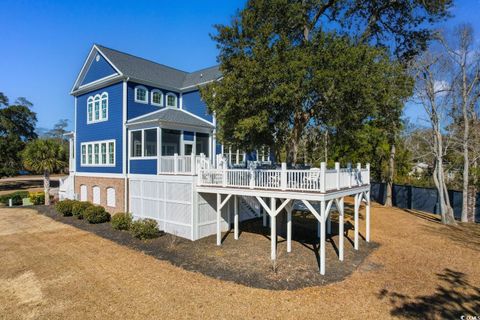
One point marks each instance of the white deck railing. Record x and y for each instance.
(182, 164)
(316, 180)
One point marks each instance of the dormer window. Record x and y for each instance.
(141, 94)
(157, 98)
(171, 100)
(97, 108)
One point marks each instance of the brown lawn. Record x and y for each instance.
(49, 270)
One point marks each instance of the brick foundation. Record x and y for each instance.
(103, 183)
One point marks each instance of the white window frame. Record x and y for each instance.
(176, 100)
(135, 95)
(130, 144)
(111, 197)
(96, 194)
(99, 143)
(161, 98)
(100, 97)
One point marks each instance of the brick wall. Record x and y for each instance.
(117, 183)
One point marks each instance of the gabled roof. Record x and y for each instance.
(143, 70)
(177, 116)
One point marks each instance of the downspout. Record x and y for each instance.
(124, 144)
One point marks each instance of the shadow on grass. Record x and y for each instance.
(454, 298)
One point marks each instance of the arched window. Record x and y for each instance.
(111, 197)
(141, 94)
(96, 194)
(171, 100)
(90, 109)
(97, 108)
(83, 192)
(157, 98)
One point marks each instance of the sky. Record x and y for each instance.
(45, 43)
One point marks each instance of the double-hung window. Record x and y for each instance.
(143, 143)
(98, 153)
(97, 108)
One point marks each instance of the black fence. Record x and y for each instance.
(423, 199)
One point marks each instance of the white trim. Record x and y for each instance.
(161, 98)
(86, 85)
(93, 143)
(165, 109)
(195, 86)
(93, 99)
(125, 166)
(181, 101)
(171, 94)
(101, 175)
(135, 94)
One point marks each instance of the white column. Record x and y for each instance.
(322, 238)
(273, 229)
(341, 230)
(357, 207)
(219, 213)
(367, 217)
(235, 220)
(289, 228)
(323, 175)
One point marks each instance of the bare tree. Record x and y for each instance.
(431, 71)
(466, 68)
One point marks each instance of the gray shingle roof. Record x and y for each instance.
(159, 74)
(173, 115)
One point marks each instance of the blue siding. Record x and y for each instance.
(136, 109)
(194, 104)
(110, 129)
(188, 135)
(147, 166)
(98, 70)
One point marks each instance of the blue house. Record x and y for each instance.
(144, 142)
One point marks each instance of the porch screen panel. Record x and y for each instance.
(170, 142)
(203, 143)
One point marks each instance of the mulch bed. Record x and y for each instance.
(246, 261)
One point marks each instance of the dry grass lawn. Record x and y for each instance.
(49, 270)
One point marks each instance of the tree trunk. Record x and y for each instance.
(46, 187)
(391, 172)
(471, 203)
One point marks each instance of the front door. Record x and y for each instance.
(188, 148)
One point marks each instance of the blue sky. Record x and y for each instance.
(45, 42)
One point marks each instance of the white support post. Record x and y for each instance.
(273, 229)
(323, 175)
(219, 214)
(337, 169)
(367, 181)
(289, 227)
(175, 162)
(357, 207)
(322, 238)
(193, 164)
(349, 168)
(341, 230)
(224, 176)
(283, 176)
(367, 217)
(235, 219)
(252, 178)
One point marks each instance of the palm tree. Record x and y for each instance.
(44, 156)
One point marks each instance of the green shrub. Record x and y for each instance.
(121, 221)
(79, 207)
(15, 196)
(144, 229)
(65, 207)
(37, 198)
(96, 214)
